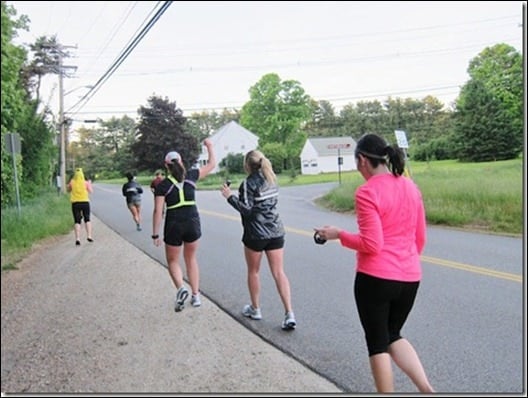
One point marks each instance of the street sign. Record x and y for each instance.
(401, 138)
(338, 146)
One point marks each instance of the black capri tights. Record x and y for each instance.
(383, 306)
(81, 210)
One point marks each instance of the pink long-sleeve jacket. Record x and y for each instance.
(392, 228)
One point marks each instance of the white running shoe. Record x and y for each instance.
(250, 312)
(289, 321)
(195, 300)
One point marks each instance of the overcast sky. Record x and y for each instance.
(207, 55)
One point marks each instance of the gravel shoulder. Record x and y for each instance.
(99, 318)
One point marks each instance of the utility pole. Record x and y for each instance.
(62, 127)
(62, 121)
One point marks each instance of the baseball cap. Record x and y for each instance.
(172, 156)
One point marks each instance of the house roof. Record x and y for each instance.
(329, 146)
(229, 130)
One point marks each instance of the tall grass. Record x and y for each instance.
(486, 196)
(483, 196)
(48, 215)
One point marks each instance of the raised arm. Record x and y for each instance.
(211, 162)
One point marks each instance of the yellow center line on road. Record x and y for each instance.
(430, 260)
(221, 215)
(472, 268)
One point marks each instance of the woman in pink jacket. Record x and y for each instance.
(392, 233)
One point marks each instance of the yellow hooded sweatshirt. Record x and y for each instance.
(78, 190)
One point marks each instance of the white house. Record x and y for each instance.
(328, 154)
(230, 138)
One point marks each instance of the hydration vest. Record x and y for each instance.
(182, 201)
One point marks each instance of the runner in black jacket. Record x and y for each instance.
(263, 232)
(132, 192)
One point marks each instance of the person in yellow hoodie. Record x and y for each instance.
(79, 190)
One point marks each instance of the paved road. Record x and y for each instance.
(467, 324)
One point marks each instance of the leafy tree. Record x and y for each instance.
(202, 125)
(39, 133)
(500, 69)
(161, 129)
(276, 112)
(432, 107)
(489, 110)
(435, 120)
(277, 154)
(126, 136)
(325, 122)
(438, 148)
(372, 117)
(116, 137)
(435, 133)
(365, 117)
(350, 121)
(39, 152)
(106, 149)
(406, 114)
(47, 55)
(233, 163)
(483, 129)
(18, 115)
(396, 114)
(12, 98)
(20, 108)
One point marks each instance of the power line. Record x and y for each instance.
(214, 107)
(120, 59)
(112, 35)
(313, 63)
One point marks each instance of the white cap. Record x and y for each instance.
(172, 156)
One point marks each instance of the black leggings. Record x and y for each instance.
(81, 210)
(383, 306)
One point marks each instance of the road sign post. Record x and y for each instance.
(339, 157)
(401, 139)
(13, 147)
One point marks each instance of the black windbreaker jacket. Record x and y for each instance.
(132, 191)
(257, 205)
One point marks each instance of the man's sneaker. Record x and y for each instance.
(181, 296)
(138, 227)
(250, 312)
(289, 321)
(195, 300)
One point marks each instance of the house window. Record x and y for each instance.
(313, 163)
(306, 163)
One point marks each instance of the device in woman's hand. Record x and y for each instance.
(318, 239)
